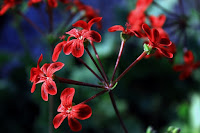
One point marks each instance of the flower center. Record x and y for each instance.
(69, 109)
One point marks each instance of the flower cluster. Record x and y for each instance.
(77, 40)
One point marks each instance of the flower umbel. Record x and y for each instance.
(66, 109)
(45, 75)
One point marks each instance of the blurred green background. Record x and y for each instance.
(149, 95)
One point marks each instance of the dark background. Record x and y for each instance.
(149, 95)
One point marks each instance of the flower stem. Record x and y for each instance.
(87, 50)
(98, 94)
(50, 13)
(50, 113)
(165, 10)
(90, 69)
(117, 111)
(130, 66)
(106, 79)
(118, 59)
(30, 22)
(69, 81)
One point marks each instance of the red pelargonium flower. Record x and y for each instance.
(158, 42)
(158, 22)
(187, 68)
(90, 12)
(128, 30)
(76, 46)
(7, 4)
(80, 111)
(45, 75)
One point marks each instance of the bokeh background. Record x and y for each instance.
(149, 95)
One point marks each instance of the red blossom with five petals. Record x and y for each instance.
(187, 68)
(158, 42)
(45, 75)
(80, 111)
(7, 4)
(76, 46)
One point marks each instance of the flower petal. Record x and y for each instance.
(78, 49)
(4, 8)
(74, 124)
(66, 96)
(44, 93)
(58, 119)
(52, 3)
(184, 74)
(188, 57)
(93, 36)
(44, 68)
(53, 67)
(147, 30)
(68, 47)
(155, 36)
(81, 111)
(73, 32)
(165, 52)
(50, 86)
(39, 60)
(179, 68)
(165, 42)
(61, 108)
(116, 28)
(33, 87)
(57, 51)
(81, 24)
(92, 21)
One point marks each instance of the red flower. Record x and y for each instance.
(66, 109)
(45, 75)
(187, 68)
(7, 5)
(128, 30)
(76, 46)
(158, 42)
(158, 22)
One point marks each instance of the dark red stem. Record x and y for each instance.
(69, 81)
(98, 94)
(104, 74)
(30, 22)
(117, 111)
(87, 50)
(90, 69)
(130, 66)
(118, 59)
